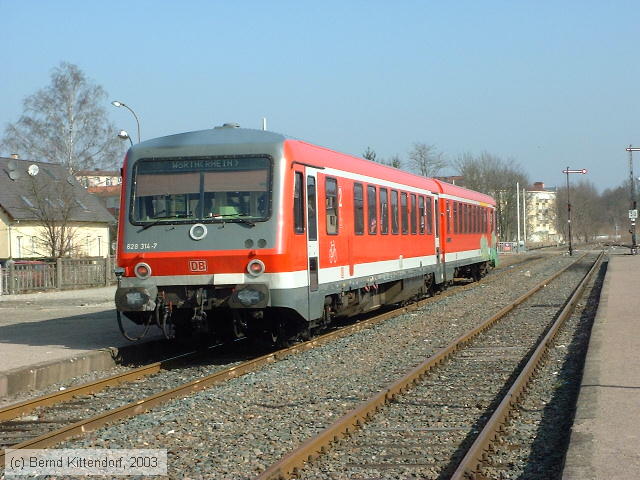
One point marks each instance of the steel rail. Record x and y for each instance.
(478, 452)
(289, 465)
(140, 406)
(16, 410)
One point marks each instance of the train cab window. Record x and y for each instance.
(298, 204)
(429, 215)
(372, 209)
(331, 194)
(358, 209)
(448, 214)
(394, 212)
(201, 189)
(384, 211)
(456, 218)
(414, 212)
(311, 208)
(405, 213)
(421, 214)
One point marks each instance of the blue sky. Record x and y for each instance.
(550, 84)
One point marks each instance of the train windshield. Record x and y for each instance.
(188, 189)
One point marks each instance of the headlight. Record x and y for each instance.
(255, 267)
(142, 270)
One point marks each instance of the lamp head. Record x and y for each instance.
(116, 103)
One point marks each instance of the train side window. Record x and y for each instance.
(430, 216)
(384, 211)
(456, 218)
(448, 214)
(311, 208)
(413, 213)
(473, 219)
(298, 204)
(394, 212)
(372, 209)
(421, 214)
(464, 220)
(331, 202)
(404, 212)
(358, 208)
(467, 218)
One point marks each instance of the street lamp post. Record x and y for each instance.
(633, 210)
(123, 135)
(116, 103)
(567, 172)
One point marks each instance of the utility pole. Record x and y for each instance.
(633, 210)
(518, 212)
(524, 214)
(568, 171)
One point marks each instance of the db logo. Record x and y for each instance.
(197, 265)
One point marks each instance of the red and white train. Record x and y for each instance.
(238, 232)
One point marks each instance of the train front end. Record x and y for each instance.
(199, 232)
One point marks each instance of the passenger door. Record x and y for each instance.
(313, 260)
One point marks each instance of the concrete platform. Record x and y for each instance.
(49, 337)
(605, 438)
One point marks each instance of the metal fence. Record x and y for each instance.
(64, 273)
(507, 247)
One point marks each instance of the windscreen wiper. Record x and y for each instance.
(163, 219)
(235, 217)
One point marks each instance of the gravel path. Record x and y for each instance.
(236, 429)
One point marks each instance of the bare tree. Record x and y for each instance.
(370, 154)
(66, 123)
(615, 205)
(497, 177)
(588, 218)
(53, 204)
(426, 160)
(393, 161)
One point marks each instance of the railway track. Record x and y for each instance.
(443, 418)
(68, 413)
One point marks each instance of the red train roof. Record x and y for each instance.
(321, 156)
(450, 189)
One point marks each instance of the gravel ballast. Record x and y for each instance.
(238, 428)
